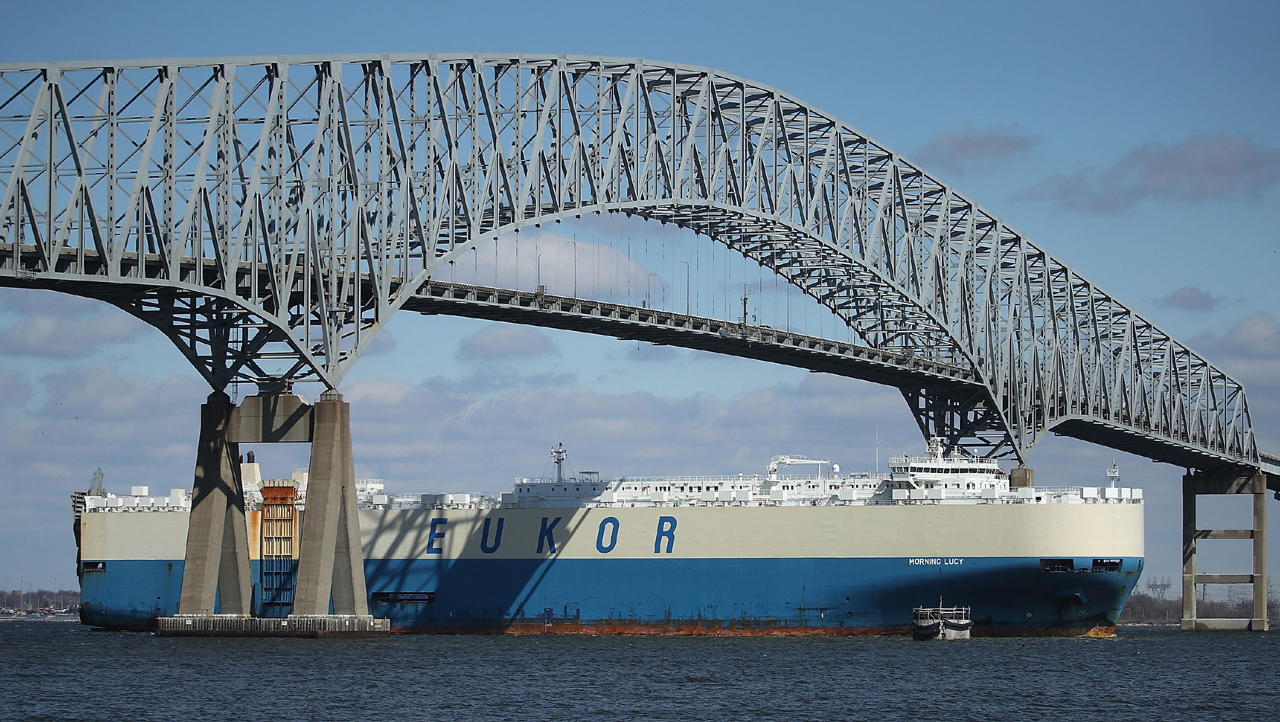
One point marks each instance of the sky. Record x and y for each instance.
(1136, 141)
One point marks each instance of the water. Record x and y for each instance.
(62, 671)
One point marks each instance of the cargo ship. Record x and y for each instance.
(748, 554)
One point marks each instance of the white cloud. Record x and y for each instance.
(55, 325)
(974, 149)
(1202, 167)
(1191, 298)
(53, 337)
(505, 342)
(1249, 350)
(566, 266)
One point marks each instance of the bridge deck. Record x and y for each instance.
(634, 323)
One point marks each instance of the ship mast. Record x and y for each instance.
(558, 452)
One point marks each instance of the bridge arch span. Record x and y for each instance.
(314, 196)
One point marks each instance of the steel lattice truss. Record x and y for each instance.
(269, 214)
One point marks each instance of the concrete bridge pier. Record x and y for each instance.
(217, 558)
(330, 557)
(1204, 482)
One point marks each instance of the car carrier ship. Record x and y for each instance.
(822, 553)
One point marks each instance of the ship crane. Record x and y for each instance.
(778, 462)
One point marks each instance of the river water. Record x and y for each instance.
(62, 671)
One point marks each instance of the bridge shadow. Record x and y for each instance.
(481, 582)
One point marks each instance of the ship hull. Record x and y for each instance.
(692, 571)
(742, 597)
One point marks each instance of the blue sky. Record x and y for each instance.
(1137, 141)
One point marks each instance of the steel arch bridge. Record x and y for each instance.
(269, 214)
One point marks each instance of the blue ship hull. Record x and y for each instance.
(673, 596)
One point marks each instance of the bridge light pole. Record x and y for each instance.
(686, 287)
(648, 286)
(575, 267)
(539, 271)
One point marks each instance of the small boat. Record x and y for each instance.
(944, 623)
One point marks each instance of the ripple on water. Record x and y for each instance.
(54, 671)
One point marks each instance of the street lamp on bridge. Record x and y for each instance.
(686, 287)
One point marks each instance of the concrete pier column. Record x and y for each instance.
(1259, 622)
(217, 558)
(330, 557)
(1188, 553)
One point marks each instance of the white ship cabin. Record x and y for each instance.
(938, 478)
(954, 472)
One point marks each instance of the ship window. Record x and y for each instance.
(1057, 565)
(1106, 565)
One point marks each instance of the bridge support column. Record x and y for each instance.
(330, 557)
(1188, 553)
(1259, 621)
(217, 558)
(1194, 485)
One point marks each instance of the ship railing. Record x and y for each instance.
(699, 479)
(735, 479)
(1101, 494)
(934, 460)
(938, 614)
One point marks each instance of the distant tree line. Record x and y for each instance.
(39, 599)
(1146, 609)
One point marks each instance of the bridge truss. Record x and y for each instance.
(270, 214)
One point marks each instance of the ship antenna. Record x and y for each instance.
(877, 448)
(557, 455)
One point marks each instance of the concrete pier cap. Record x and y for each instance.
(1021, 476)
